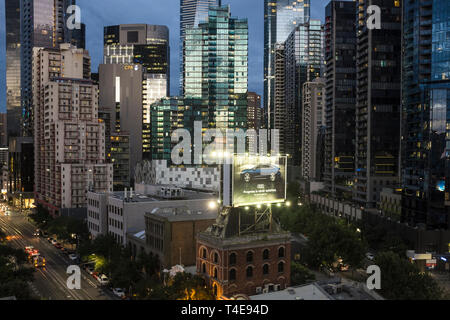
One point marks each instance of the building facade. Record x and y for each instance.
(13, 104)
(216, 67)
(378, 102)
(192, 13)
(425, 114)
(280, 18)
(340, 77)
(148, 46)
(313, 120)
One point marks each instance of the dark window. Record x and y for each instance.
(132, 36)
(216, 258)
(266, 269)
(232, 275)
(204, 253)
(204, 268)
(266, 254)
(281, 252)
(215, 273)
(281, 267)
(233, 259)
(250, 256)
(249, 272)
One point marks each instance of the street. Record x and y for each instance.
(50, 281)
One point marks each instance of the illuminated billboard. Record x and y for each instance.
(258, 180)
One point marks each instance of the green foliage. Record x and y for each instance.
(300, 274)
(65, 227)
(41, 217)
(402, 280)
(14, 274)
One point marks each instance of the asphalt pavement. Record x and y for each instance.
(50, 281)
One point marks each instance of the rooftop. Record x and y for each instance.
(183, 214)
(307, 292)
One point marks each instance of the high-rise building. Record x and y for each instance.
(313, 120)
(192, 13)
(3, 130)
(279, 115)
(20, 188)
(280, 18)
(13, 106)
(216, 67)
(340, 75)
(69, 140)
(121, 97)
(303, 62)
(147, 45)
(377, 102)
(426, 113)
(254, 110)
(42, 24)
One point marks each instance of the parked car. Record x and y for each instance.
(44, 234)
(53, 241)
(58, 245)
(50, 239)
(370, 256)
(119, 293)
(103, 279)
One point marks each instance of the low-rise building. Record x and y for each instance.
(311, 291)
(117, 213)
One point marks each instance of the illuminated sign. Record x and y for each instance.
(258, 180)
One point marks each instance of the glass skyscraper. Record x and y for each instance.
(192, 13)
(216, 67)
(42, 24)
(426, 114)
(13, 106)
(280, 18)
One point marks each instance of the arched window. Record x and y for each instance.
(266, 269)
(203, 267)
(266, 254)
(249, 272)
(204, 253)
(233, 259)
(281, 267)
(215, 273)
(216, 257)
(281, 252)
(249, 256)
(232, 276)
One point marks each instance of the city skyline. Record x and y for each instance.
(115, 13)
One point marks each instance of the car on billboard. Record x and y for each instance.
(261, 172)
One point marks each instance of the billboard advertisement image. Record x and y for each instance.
(258, 180)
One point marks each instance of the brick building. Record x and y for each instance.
(236, 262)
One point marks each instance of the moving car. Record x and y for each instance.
(103, 280)
(73, 257)
(261, 172)
(38, 261)
(370, 256)
(37, 233)
(119, 292)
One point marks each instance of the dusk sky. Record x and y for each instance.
(99, 13)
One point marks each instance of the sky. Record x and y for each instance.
(99, 13)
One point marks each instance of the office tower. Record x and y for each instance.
(119, 156)
(69, 140)
(192, 13)
(340, 68)
(254, 110)
(303, 59)
(313, 120)
(280, 18)
(377, 102)
(168, 115)
(216, 67)
(121, 97)
(3, 130)
(42, 24)
(20, 171)
(13, 106)
(279, 115)
(425, 124)
(147, 45)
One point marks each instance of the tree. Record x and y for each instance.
(300, 274)
(14, 274)
(402, 280)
